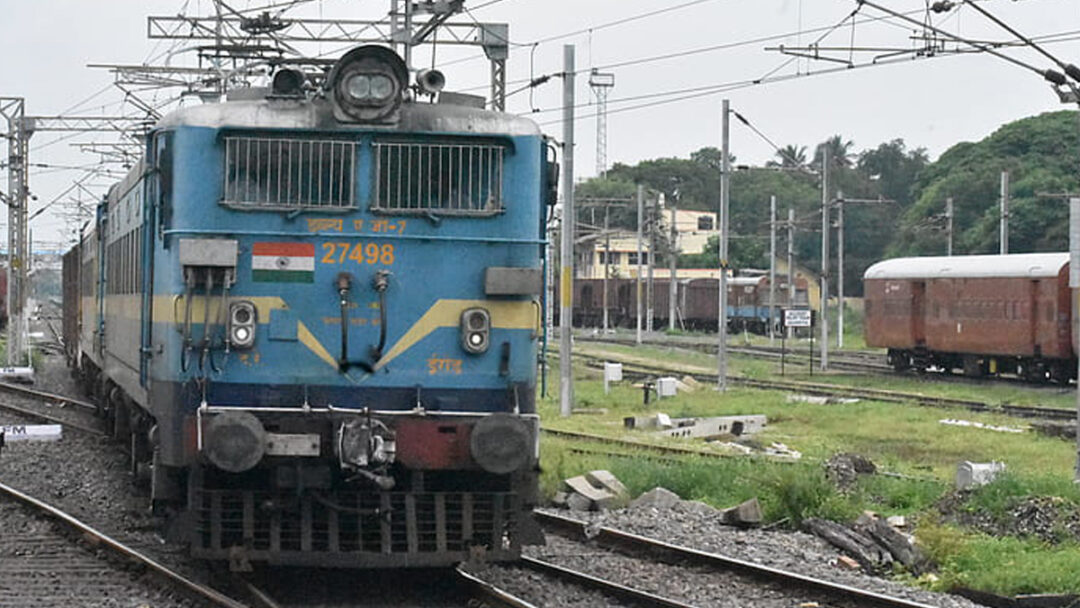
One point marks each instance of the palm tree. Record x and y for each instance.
(790, 157)
(839, 151)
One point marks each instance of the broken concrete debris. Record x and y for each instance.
(599, 497)
(700, 428)
(656, 498)
(975, 474)
(744, 514)
(600, 490)
(820, 400)
(980, 425)
(781, 451)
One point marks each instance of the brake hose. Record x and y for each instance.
(189, 284)
(206, 318)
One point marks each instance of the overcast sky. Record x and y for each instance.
(932, 103)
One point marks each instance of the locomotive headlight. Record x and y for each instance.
(242, 324)
(367, 85)
(475, 330)
(359, 87)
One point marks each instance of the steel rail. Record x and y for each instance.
(489, 593)
(637, 597)
(33, 392)
(615, 539)
(202, 591)
(49, 418)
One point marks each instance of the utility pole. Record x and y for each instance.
(601, 83)
(1074, 283)
(824, 320)
(725, 194)
(673, 255)
(607, 263)
(772, 268)
(791, 263)
(1004, 238)
(652, 262)
(566, 275)
(949, 225)
(637, 278)
(840, 269)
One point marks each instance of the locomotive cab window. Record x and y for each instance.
(444, 177)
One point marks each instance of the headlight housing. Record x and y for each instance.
(368, 84)
(475, 330)
(242, 322)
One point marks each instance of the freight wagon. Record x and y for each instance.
(697, 302)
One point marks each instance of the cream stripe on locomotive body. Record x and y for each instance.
(336, 315)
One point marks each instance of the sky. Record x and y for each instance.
(653, 48)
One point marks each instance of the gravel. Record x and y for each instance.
(87, 477)
(688, 525)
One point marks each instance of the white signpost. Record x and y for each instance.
(797, 318)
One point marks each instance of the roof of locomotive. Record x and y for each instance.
(317, 114)
(1033, 265)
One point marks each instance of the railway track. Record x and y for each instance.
(50, 407)
(687, 577)
(641, 370)
(858, 361)
(41, 567)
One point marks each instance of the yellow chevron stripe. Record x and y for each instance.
(309, 340)
(447, 313)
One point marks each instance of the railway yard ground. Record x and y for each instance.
(1017, 536)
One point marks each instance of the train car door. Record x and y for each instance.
(1033, 318)
(918, 313)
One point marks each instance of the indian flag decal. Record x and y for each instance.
(283, 262)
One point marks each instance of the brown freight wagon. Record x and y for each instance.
(984, 314)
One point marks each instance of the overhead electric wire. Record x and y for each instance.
(982, 47)
(725, 87)
(1069, 68)
(696, 51)
(587, 30)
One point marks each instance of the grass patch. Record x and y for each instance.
(1007, 566)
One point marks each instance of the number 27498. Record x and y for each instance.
(361, 253)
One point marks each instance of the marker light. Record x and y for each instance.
(475, 330)
(242, 324)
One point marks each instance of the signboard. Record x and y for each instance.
(797, 318)
(31, 432)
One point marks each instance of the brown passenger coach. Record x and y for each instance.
(983, 314)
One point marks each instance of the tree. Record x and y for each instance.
(1039, 152)
(839, 152)
(790, 157)
(894, 168)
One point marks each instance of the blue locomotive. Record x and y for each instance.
(314, 317)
